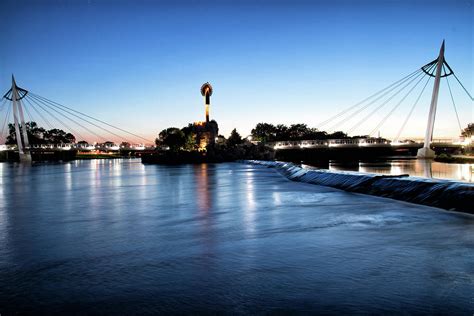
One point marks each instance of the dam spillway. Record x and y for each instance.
(449, 195)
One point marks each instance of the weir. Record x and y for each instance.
(449, 195)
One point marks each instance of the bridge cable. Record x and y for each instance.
(40, 114)
(28, 114)
(355, 126)
(100, 138)
(472, 99)
(26, 110)
(454, 104)
(83, 119)
(70, 119)
(95, 119)
(5, 123)
(67, 127)
(85, 128)
(363, 101)
(411, 111)
(3, 104)
(343, 121)
(395, 107)
(59, 121)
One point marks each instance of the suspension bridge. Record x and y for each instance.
(86, 132)
(79, 130)
(395, 94)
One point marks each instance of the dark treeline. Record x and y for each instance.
(38, 135)
(266, 132)
(185, 145)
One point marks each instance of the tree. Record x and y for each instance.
(319, 135)
(281, 132)
(190, 142)
(468, 131)
(234, 138)
(190, 137)
(38, 135)
(338, 135)
(297, 131)
(172, 137)
(58, 136)
(264, 132)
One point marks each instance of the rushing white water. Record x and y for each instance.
(451, 195)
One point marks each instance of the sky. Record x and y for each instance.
(140, 64)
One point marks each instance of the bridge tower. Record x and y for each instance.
(426, 152)
(15, 94)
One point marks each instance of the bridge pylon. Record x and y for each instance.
(426, 152)
(15, 94)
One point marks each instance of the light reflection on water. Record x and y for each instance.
(120, 237)
(415, 167)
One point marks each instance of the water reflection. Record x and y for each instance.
(415, 167)
(202, 188)
(203, 194)
(249, 211)
(220, 237)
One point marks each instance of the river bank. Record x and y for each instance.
(449, 195)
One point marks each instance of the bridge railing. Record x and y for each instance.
(72, 146)
(359, 142)
(346, 142)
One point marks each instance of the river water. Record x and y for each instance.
(120, 237)
(414, 167)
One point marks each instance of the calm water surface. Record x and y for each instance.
(413, 167)
(120, 237)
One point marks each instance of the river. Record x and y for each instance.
(463, 172)
(120, 237)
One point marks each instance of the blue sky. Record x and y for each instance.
(140, 64)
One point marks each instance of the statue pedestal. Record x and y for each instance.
(425, 153)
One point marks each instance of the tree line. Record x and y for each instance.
(266, 132)
(38, 135)
(185, 138)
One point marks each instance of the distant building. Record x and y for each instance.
(206, 132)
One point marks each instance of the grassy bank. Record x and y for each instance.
(98, 156)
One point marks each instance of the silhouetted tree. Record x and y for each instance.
(172, 137)
(58, 136)
(468, 131)
(264, 132)
(267, 132)
(282, 132)
(190, 142)
(38, 135)
(338, 135)
(234, 138)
